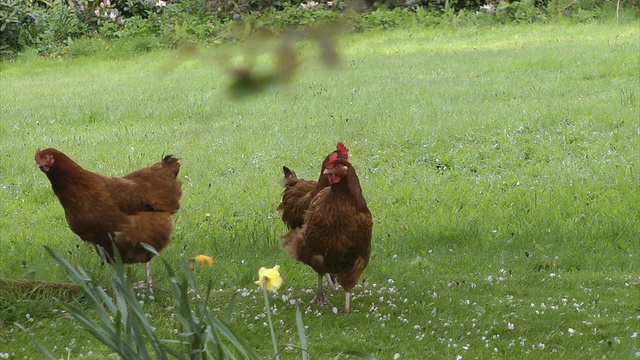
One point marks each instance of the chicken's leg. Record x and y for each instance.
(148, 275)
(347, 301)
(320, 298)
(330, 282)
(148, 283)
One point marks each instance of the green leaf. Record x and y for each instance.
(359, 354)
(503, 5)
(43, 350)
(230, 309)
(301, 334)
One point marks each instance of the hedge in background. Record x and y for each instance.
(52, 27)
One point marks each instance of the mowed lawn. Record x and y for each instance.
(501, 166)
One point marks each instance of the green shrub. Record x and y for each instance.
(188, 22)
(291, 16)
(432, 5)
(139, 7)
(57, 23)
(86, 47)
(384, 18)
(17, 26)
(51, 27)
(526, 11)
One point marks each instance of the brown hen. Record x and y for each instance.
(126, 211)
(298, 193)
(336, 235)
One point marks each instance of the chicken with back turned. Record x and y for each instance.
(126, 211)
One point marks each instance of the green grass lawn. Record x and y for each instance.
(500, 165)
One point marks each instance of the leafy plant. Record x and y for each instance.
(17, 26)
(140, 7)
(526, 11)
(59, 22)
(118, 320)
(290, 15)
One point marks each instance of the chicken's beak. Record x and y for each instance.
(44, 168)
(40, 162)
(328, 171)
(331, 173)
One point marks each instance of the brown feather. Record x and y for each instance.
(295, 199)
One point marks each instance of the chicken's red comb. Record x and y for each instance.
(332, 157)
(342, 150)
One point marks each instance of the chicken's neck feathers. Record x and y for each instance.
(74, 185)
(349, 188)
(67, 175)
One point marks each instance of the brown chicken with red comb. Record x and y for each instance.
(298, 193)
(127, 211)
(336, 235)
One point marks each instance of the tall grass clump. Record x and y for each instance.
(116, 318)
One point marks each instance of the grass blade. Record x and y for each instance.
(43, 350)
(359, 354)
(230, 309)
(301, 334)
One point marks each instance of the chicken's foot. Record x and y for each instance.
(321, 300)
(320, 297)
(148, 283)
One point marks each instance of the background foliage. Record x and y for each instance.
(52, 27)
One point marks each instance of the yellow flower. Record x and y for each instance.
(202, 259)
(270, 277)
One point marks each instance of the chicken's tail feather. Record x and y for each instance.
(289, 178)
(288, 172)
(292, 241)
(172, 162)
(349, 278)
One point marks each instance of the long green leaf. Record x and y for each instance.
(43, 350)
(359, 354)
(238, 342)
(83, 281)
(138, 338)
(301, 334)
(229, 314)
(123, 327)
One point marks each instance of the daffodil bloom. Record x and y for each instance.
(270, 278)
(202, 259)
